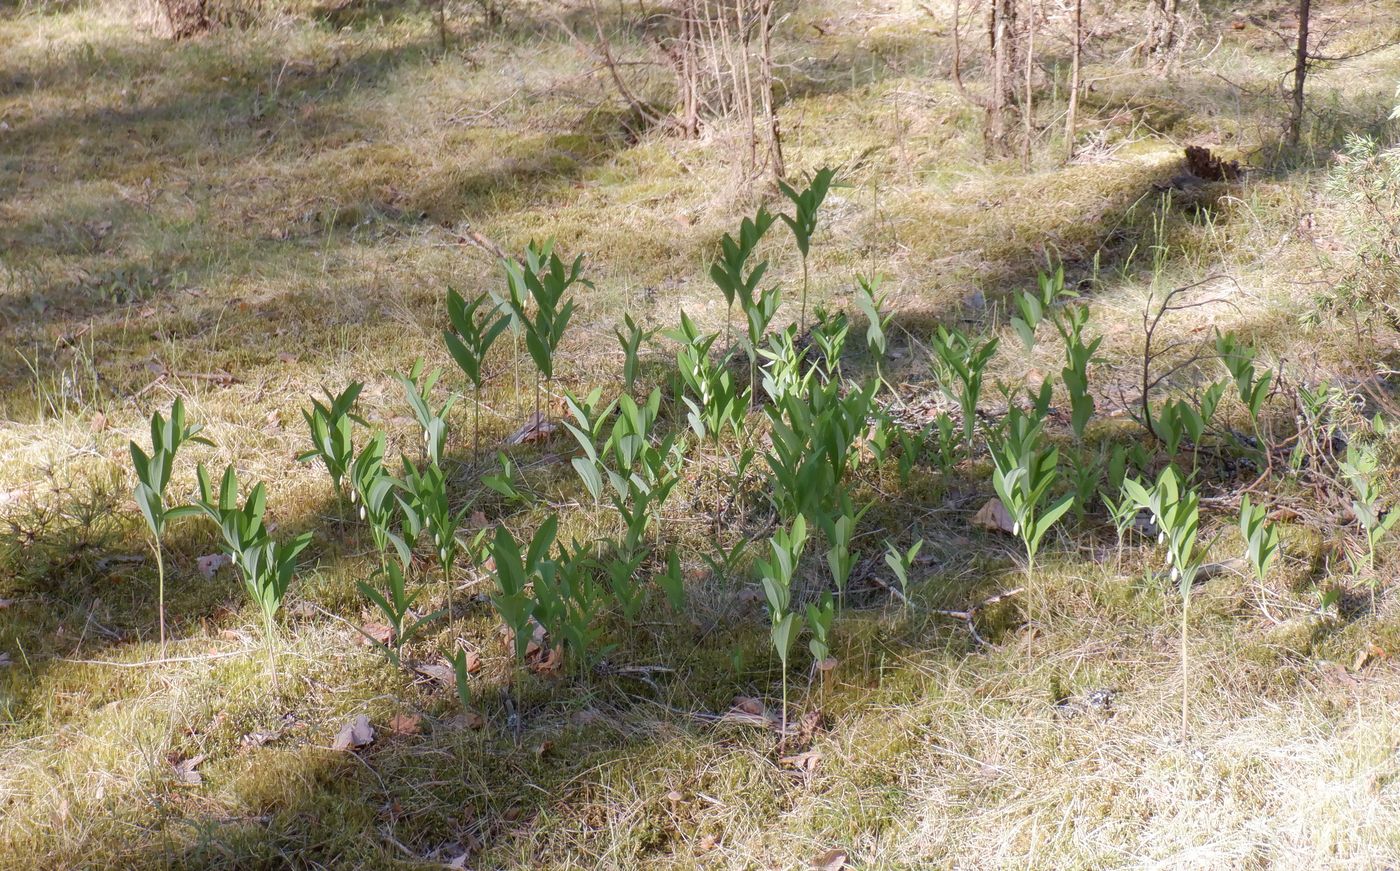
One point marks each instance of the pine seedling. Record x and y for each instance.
(153, 475)
(803, 222)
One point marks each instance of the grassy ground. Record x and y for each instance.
(249, 217)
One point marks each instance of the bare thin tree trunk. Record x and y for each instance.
(686, 57)
(185, 17)
(766, 84)
(1001, 33)
(746, 92)
(1072, 114)
(1300, 74)
(1028, 110)
(1164, 31)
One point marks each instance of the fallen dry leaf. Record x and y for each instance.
(472, 720)
(354, 734)
(832, 860)
(535, 429)
(1365, 655)
(258, 739)
(477, 520)
(209, 564)
(806, 762)
(473, 662)
(185, 770)
(98, 422)
(749, 705)
(437, 672)
(995, 517)
(285, 357)
(382, 633)
(405, 724)
(827, 664)
(547, 662)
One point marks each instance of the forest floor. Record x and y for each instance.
(254, 215)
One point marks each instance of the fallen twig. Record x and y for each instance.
(149, 662)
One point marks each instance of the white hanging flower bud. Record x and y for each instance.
(1016, 528)
(437, 539)
(442, 554)
(1161, 537)
(362, 512)
(1176, 575)
(1169, 558)
(354, 494)
(426, 436)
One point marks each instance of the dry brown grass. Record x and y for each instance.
(284, 204)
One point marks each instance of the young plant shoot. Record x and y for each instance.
(153, 478)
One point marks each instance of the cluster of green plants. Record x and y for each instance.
(816, 438)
